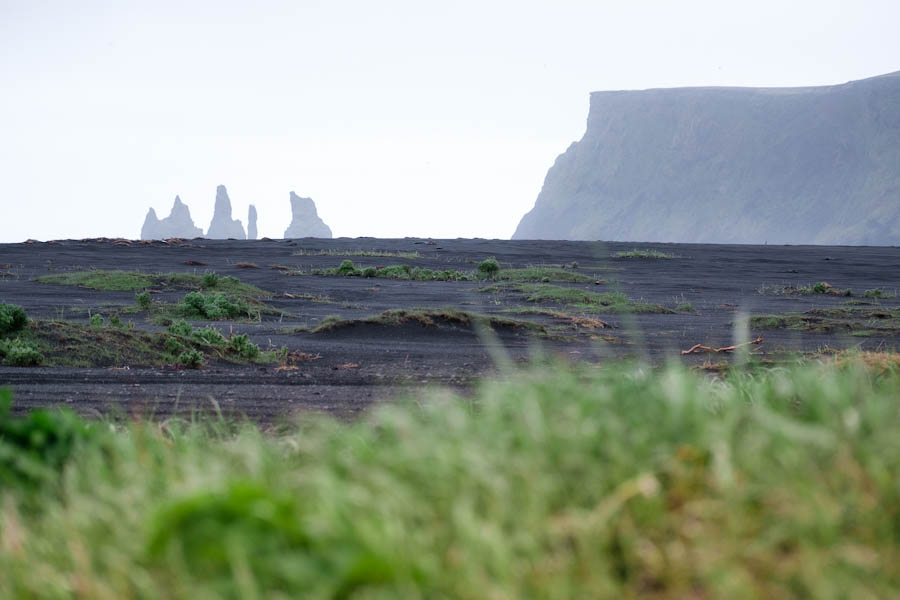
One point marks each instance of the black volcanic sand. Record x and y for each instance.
(366, 363)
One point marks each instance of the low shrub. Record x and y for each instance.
(143, 300)
(210, 280)
(213, 307)
(210, 336)
(241, 345)
(180, 327)
(191, 359)
(20, 353)
(346, 268)
(12, 319)
(173, 346)
(97, 321)
(489, 267)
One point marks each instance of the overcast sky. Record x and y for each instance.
(398, 118)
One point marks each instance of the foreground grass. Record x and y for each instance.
(552, 484)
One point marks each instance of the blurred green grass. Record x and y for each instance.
(618, 482)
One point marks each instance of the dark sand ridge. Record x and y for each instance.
(717, 280)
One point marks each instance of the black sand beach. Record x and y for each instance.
(703, 289)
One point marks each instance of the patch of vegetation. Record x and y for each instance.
(215, 307)
(17, 351)
(545, 274)
(12, 319)
(191, 359)
(143, 300)
(553, 483)
(577, 321)
(133, 281)
(821, 287)
(210, 336)
(348, 269)
(489, 267)
(858, 321)
(644, 253)
(428, 317)
(583, 300)
(372, 253)
(330, 323)
(241, 345)
(878, 293)
(20, 353)
(73, 344)
(686, 307)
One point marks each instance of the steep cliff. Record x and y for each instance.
(177, 225)
(305, 220)
(817, 165)
(222, 225)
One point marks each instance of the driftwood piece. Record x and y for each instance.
(701, 348)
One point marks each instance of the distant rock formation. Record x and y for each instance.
(305, 221)
(816, 165)
(177, 225)
(222, 225)
(251, 223)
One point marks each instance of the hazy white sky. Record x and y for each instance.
(399, 118)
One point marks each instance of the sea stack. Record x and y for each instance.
(222, 225)
(177, 225)
(305, 221)
(810, 165)
(251, 223)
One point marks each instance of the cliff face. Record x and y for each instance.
(305, 220)
(814, 165)
(177, 225)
